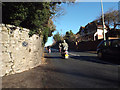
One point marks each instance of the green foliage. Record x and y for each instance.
(36, 16)
(69, 36)
(45, 35)
(71, 33)
(57, 37)
(111, 18)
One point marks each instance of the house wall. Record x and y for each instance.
(88, 33)
(19, 52)
(99, 34)
(91, 32)
(113, 37)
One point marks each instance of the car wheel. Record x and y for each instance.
(100, 55)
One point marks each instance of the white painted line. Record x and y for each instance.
(74, 54)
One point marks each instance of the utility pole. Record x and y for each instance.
(61, 32)
(119, 13)
(103, 21)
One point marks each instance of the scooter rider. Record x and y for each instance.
(64, 50)
(60, 46)
(64, 45)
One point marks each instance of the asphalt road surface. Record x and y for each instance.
(81, 70)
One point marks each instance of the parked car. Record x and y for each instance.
(109, 49)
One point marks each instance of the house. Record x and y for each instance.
(99, 33)
(80, 34)
(91, 32)
(113, 34)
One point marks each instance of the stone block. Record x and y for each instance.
(13, 41)
(5, 57)
(24, 35)
(4, 29)
(10, 49)
(6, 68)
(3, 72)
(5, 36)
(16, 34)
(31, 64)
(6, 45)
(3, 49)
(0, 37)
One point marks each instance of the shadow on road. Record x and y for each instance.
(95, 60)
(32, 78)
(85, 75)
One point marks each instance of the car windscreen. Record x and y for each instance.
(116, 43)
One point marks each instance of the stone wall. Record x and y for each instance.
(18, 51)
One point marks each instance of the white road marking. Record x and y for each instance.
(74, 54)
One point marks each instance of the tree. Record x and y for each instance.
(69, 36)
(111, 18)
(36, 16)
(57, 37)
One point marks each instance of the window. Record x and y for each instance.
(116, 43)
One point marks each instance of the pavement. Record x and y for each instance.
(28, 79)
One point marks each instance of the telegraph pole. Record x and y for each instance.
(61, 32)
(119, 13)
(103, 21)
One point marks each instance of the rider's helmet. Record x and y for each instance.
(64, 41)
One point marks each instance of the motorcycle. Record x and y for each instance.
(64, 54)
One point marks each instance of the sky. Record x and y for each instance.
(79, 14)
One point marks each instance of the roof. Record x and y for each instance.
(83, 27)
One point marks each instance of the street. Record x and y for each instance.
(60, 44)
(81, 70)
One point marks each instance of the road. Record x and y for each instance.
(81, 70)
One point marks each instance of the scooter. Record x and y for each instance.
(64, 54)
